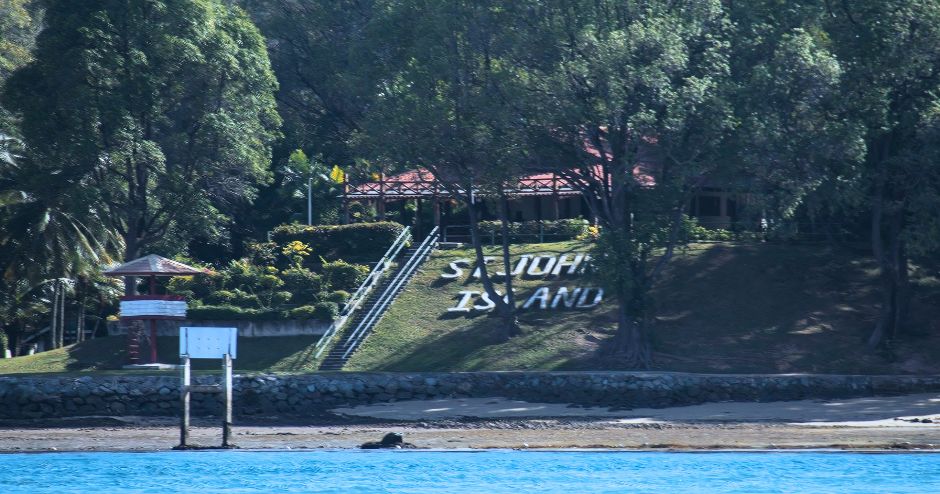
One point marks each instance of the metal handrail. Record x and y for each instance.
(388, 295)
(380, 267)
(356, 299)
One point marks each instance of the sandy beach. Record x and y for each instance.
(886, 423)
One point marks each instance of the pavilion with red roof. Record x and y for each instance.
(535, 197)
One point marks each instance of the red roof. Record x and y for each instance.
(421, 182)
(153, 265)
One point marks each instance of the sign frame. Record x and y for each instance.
(207, 342)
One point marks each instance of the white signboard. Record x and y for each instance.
(164, 308)
(206, 342)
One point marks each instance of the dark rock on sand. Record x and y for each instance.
(392, 440)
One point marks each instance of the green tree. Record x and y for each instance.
(16, 24)
(891, 87)
(163, 109)
(330, 59)
(50, 236)
(796, 135)
(447, 109)
(629, 101)
(19, 22)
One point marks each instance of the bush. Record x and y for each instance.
(529, 231)
(339, 297)
(303, 312)
(221, 297)
(196, 286)
(281, 298)
(262, 253)
(321, 311)
(325, 311)
(364, 242)
(303, 284)
(341, 275)
(697, 233)
(233, 313)
(213, 312)
(245, 300)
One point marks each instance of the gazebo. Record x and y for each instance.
(152, 306)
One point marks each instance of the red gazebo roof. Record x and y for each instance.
(154, 265)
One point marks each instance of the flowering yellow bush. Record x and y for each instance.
(297, 248)
(591, 234)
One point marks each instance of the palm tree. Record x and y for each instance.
(50, 234)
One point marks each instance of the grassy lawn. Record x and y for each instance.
(720, 308)
(286, 354)
(418, 333)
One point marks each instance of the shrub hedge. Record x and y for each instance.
(358, 242)
(321, 311)
(534, 231)
(233, 313)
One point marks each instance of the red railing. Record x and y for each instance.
(178, 298)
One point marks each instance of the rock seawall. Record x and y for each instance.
(305, 395)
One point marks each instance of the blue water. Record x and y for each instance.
(465, 472)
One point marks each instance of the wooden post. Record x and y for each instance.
(555, 211)
(419, 215)
(437, 211)
(227, 390)
(184, 402)
(380, 207)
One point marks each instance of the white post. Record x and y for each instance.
(310, 201)
(184, 401)
(227, 390)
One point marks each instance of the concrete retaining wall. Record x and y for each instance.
(246, 329)
(46, 397)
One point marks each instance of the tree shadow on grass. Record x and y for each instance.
(97, 354)
(265, 354)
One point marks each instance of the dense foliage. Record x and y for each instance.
(160, 113)
(134, 126)
(245, 290)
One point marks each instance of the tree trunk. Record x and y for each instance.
(510, 319)
(888, 250)
(54, 323)
(631, 342)
(506, 312)
(131, 252)
(62, 317)
(80, 317)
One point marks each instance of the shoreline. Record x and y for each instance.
(741, 437)
(878, 424)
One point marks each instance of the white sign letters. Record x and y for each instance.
(528, 266)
